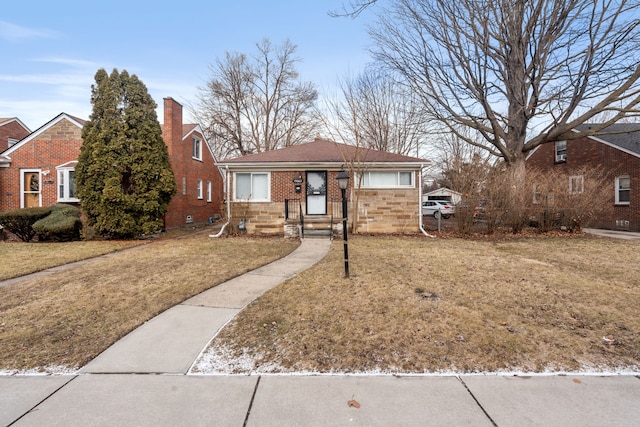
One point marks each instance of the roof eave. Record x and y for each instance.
(318, 165)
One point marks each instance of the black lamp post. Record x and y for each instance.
(343, 182)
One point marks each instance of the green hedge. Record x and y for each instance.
(20, 221)
(63, 224)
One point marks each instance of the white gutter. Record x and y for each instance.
(228, 207)
(420, 206)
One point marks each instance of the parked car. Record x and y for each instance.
(438, 207)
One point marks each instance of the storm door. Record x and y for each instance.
(30, 188)
(316, 192)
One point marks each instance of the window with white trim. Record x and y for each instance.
(209, 191)
(387, 179)
(561, 151)
(67, 185)
(576, 184)
(196, 148)
(200, 189)
(623, 190)
(253, 186)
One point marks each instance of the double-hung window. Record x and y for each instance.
(253, 186)
(561, 151)
(623, 190)
(196, 148)
(209, 191)
(387, 179)
(576, 184)
(200, 189)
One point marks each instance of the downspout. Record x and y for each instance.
(420, 206)
(229, 206)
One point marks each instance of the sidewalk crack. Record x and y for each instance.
(253, 396)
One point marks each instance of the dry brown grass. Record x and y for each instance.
(68, 318)
(19, 258)
(422, 305)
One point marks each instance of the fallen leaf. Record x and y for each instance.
(577, 381)
(353, 404)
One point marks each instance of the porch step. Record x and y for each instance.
(317, 226)
(311, 233)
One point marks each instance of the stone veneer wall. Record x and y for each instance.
(388, 211)
(262, 218)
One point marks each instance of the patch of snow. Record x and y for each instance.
(44, 371)
(219, 360)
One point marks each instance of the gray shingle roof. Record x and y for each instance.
(623, 135)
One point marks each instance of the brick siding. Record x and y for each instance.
(594, 155)
(57, 145)
(185, 207)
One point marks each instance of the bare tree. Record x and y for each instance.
(257, 104)
(375, 112)
(520, 72)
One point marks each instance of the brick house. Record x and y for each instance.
(198, 179)
(12, 130)
(614, 150)
(38, 170)
(288, 190)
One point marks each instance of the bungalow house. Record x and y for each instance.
(38, 169)
(294, 189)
(615, 151)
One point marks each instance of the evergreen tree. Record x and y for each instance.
(123, 176)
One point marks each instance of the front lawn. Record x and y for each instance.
(69, 317)
(419, 305)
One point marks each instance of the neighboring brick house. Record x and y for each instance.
(38, 170)
(198, 179)
(270, 191)
(12, 130)
(616, 151)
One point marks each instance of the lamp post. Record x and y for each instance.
(343, 182)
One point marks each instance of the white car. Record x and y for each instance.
(438, 207)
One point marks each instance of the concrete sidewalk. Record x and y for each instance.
(143, 380)
(191, 400)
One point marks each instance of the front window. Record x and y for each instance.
(561, 151)
(576, 184)
(252, 186)
(623, 190)
(208, 191)
(196, 148)
(67, 185)
(390, 179)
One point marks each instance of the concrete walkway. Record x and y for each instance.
(616, 234)
(142, 380)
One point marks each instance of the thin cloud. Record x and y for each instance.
(79, 63)
(13, 32)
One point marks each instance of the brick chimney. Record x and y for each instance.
(172, 128)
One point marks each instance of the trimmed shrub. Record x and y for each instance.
(63, 224)
(20, 221)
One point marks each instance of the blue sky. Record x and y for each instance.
(51, 50)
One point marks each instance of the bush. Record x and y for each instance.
(63, 224)
(20, 222)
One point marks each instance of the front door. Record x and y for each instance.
(317, 193)
(30, 189)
